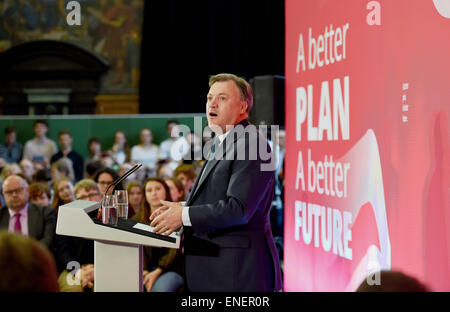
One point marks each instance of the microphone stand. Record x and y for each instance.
(119, 180)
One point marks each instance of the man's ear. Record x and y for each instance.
(244, 106)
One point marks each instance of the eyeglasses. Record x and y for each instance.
(90, 196)
(16, 191)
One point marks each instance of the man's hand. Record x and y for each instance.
(167, 218)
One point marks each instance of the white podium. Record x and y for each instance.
(117, 249)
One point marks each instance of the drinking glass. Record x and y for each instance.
(122, 203)
(109, 210)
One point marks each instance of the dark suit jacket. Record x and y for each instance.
(41, 223)
(230, 246)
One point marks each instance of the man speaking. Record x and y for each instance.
(228, 242)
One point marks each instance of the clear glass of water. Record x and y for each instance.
(109, 210)
(122, 203)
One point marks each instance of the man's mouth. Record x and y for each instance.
(212, 114)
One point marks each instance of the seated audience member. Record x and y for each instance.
(70, 250)
(63, 193)
(25, 265)
(120, 151)
(176, 189)
(43, 176)
(40, 149)
(40, 194)
(20, 216)
(186, 174)
(135, 197)
(92, 167)
(165, 171)
(11, 151)
(391, 281)
(95, 150)
(166, 145)
(146, 152)
(62, 168)
(65, 142)
(10, 170)
(105, 177)
(124, 168)
(162, 266)
(27, 167)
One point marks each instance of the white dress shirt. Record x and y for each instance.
(23, 220)
(185, 214)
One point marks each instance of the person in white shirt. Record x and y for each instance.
(146, 153)
(120, 151)
(40, 149)
(167, 144)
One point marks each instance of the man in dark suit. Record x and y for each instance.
(20, 216)
(228, 242)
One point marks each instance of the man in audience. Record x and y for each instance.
(20, 216)
(40, 149)
(75, 250)
(65, 142)
(187, 175)
(12, 150)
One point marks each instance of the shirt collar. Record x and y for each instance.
(221, 137)
(22, 212)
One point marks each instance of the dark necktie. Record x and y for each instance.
(17, 224)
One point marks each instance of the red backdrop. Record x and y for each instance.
(368, 86)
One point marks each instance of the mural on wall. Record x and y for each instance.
(110, 29)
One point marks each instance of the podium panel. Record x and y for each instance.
(118, 254)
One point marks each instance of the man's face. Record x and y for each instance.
(15, 191)
(104, 180)
(11, 138)
(91, 194)
(224, 106)
(146, 136)
(65, 141)
(40, 130)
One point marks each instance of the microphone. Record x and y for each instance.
(126, 174)
(115, 183)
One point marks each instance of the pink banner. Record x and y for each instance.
(368, 142)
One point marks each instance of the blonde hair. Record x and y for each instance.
(244, 87)
(85, 184)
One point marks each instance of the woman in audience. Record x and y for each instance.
(176, 189)
(162, 266)
(146, 153)
(95, 150)
(10, 170)
(120, 150)
(62, 193)
(62, 168)
(39, 194)
(135, 197)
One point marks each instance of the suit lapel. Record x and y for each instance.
(4, 218)
(210, 164)
(32, 216)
